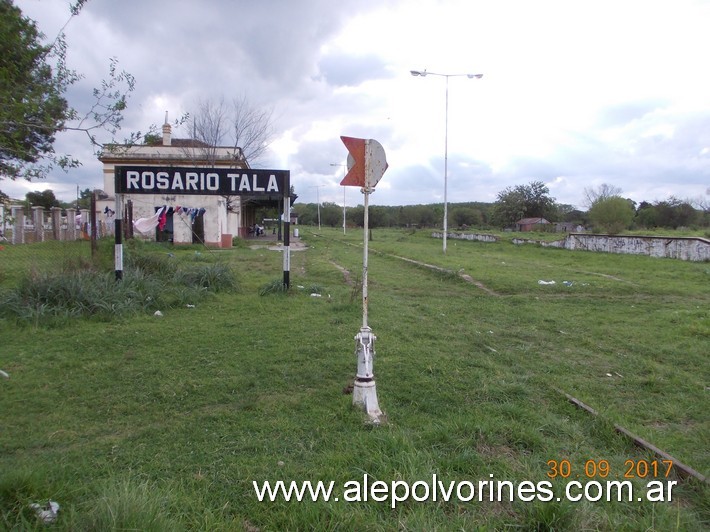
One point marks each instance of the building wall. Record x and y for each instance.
(215, 216)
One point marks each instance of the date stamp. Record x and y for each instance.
(631, 469)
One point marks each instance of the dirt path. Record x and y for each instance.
(346, 273)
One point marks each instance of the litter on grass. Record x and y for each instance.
(47, 513)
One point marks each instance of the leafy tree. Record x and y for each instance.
(33, 82)
(426, 216)
(356, 215)
(331, 214)
(307, 213)
(85, 198)
(465, 216)
(523, 201)
(419, 215)
(674, 213)
(45, 198)
(32, 107)
(574, 215)
(646, 216)
(611, 215)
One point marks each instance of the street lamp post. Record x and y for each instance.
(345, 168)
(317, 187)
(424, 73)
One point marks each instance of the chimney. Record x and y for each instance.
(166, 131)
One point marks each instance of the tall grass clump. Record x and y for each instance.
(163, 266)
(273, 287)
(19, 489)
(216, 277)
(128, 505)
(151, 282)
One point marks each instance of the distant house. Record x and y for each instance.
(530, 224)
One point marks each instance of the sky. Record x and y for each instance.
(574, 93)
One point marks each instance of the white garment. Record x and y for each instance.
(146, 225)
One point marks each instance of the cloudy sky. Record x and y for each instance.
(575, 93)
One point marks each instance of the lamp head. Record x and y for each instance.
(418, 73)
(477, 76)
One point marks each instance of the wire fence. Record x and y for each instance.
(38, 241)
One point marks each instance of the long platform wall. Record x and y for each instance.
(683, 248)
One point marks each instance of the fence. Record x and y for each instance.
(36, 240)
(25, 226)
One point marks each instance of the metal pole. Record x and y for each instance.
(345, 171)
(366, 221)
(94, 232)
(287, 231)
(446, 165)
(424, 73)
(364, 387)
(118, 251)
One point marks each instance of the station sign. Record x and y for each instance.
(199, 181)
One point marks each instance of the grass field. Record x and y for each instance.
(164, 423)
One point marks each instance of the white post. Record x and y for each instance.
(364, 388)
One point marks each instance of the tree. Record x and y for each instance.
(602, 192)
(33, 109)
(674, 213)
(307, 213)
(523, 201)
(466, 216)
(611, 215)
(85, 198)
(331, 214)
(239, 124)
(32, 106)
(646, 216)
(45, 199)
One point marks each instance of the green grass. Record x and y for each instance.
(163, 423)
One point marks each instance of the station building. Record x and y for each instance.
(185, 218)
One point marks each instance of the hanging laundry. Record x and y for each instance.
(162, 219)
(146, 225)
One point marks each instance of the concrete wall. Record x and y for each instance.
(684, 248)
(467, 236)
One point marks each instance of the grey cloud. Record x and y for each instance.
(351, 70)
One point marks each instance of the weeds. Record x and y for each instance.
(150, 282)
(273, 287)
